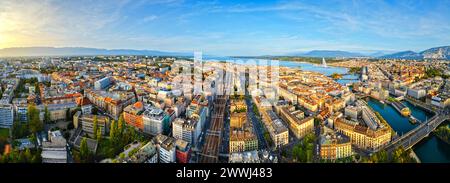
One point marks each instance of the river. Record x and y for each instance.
(430, 149)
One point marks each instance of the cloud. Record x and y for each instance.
(149, 18)
(28, 22)
(377, 17)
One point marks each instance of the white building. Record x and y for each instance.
(54, 151)
(352, 112)
(20, 106)
(166, 148)
(188, 130)
(6, 115)
(102, 83)
(416, 93)
(153, 120)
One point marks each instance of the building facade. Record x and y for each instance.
(188, 130)
(155, 121)
(166, 148)
(111, 102)
(102, 83)
(335, 146)
(363, 137)
(133, 115)
(6, 115)
(86, 122)
(298, 124)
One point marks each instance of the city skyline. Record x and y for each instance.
(227, 28)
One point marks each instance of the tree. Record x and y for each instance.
(47, 118)
(122, 155)
(37, 89)
(84, 150)
(95, 126)
(400, 155)
(112, 130)
(33, 138)
(33, 119)
(22, 158)
(20, 130)
(304, 151)
(380, 157)
(37, 157)
(27, 155)
(120, 125)
(99, 135)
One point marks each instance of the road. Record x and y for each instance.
(257, 125)
(317, 132)
(224, 148)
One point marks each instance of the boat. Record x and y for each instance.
(412, 120)
(406, 112)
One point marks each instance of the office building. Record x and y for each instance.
(166, 148)
(155, 121)
(183, 151)
(188, 130)
(20, 109)
(86, 121)
(54, 151)
(102, 83)
(352, 112)
(6, 115)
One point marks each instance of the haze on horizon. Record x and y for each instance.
(227, 27)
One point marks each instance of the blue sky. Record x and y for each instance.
(227, 27)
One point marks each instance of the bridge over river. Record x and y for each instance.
(417, 134)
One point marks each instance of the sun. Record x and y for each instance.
(3, 41)
(6, 40)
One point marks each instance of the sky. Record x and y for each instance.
(229, 27)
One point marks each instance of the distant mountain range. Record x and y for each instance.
(328, 53)
(79, 51)
(403, 55)
(442, 52)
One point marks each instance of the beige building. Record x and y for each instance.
(58, 111)
(362, 136)
(237, 120)
(242, 137)
(277, 130)
(243, 140)
(334, 146)
(86, 121)
(111, 102)
(298, 124)
(279, 133)
(308, 104)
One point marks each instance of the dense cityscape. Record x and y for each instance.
(157, 109)
(232, 91)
